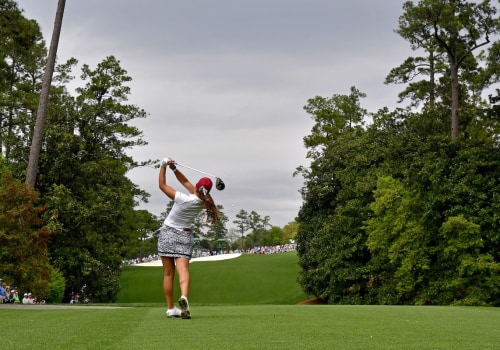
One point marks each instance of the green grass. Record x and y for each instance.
(248, 279)
(244, 303)
(254, 327)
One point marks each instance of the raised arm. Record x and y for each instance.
(162, 183)
(181, 177)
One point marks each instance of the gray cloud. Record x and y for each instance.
(224, 82)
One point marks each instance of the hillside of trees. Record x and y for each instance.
(402, 206)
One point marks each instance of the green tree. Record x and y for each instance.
(331, 242)
(242, 224)
(425, 89)
(396, 211)
(57, 286)
(290, 232)
(22, 58)
(457, 28)
(255, 238)
(25, 236)
(398, 242)
(362, 241)
(255, 221)
(142, 226)
(86, 186)
(83, 161)
(273, 237)
(471, 277)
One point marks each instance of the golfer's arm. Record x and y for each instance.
(162, 177)
(162, 183)
(183, 180)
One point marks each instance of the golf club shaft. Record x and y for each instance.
(188, 167)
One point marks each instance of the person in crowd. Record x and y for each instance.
(2, 292)
(175, 242)
(74, 298)
(25, 298)
(9, 295)
(31, 299)
(16, 296)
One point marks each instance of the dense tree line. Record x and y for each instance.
(401, 206)
(253, 230)
(87, 203)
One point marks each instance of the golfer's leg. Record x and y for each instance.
(182, 265)
(168, 280)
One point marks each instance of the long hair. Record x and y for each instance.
(210, 207)
(203, 188)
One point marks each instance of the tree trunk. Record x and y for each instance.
(36, 143)
(454, 99)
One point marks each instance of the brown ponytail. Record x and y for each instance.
(211, 209)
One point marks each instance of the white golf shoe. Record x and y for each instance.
(183, 302)
(173, 313)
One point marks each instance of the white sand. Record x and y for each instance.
(204, 258)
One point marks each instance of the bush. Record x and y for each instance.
(56, 287)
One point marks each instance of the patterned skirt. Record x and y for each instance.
(175, 243)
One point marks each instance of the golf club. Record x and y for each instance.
(219, 184)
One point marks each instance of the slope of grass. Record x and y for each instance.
(248, 279)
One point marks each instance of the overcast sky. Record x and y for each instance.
(224, 81)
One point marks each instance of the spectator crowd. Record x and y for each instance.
(10, 295)
(283, 248)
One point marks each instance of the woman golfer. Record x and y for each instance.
(175, 242)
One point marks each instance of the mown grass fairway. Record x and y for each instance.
(254, 327)
(224, 317)
(248, 279)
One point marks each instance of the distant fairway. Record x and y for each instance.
(246, 280)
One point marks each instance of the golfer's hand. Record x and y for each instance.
(171, 163)
(165, 162)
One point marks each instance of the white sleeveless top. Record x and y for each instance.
(184, 211)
